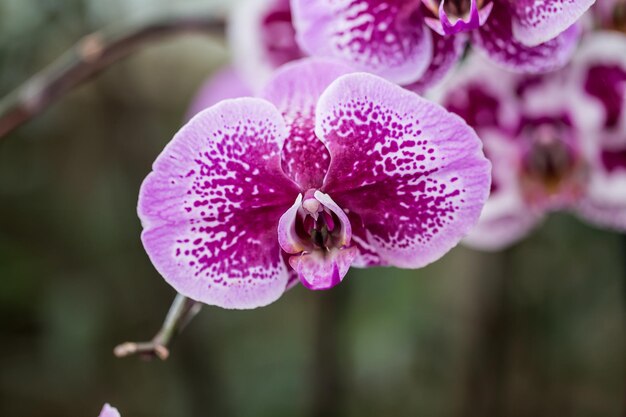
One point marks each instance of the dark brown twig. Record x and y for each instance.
(91, 55)
(181, 312)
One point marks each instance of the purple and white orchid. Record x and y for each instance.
(391, 38)
(557, 142)
(108, 411)
(328, 169)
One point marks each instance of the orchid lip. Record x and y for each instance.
(317, 232)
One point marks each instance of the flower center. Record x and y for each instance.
(551, 169)
(459, 8)
(317, 225)
(317, 232)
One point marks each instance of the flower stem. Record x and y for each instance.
(92, 54)
(181, 312)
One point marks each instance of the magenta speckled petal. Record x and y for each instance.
(211, 205)
(496, 40)
(599, 72)
(295, 89)
(223, 85)
(386, 38)
(538, 21)
(412, 174)
(108, 411)
(446, 54)
(320, 270)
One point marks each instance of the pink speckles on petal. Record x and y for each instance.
(108, 411)
(387, 38)
(321, 270)
(211, 206)
(538, 21)
(295, 89)
(412, 174)
(496, 40)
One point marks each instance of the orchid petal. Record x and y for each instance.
(287, 237)
(447, 51)
(108, 411)
(600, 71)
(413, 173)
(536, 22)
(386, 38)
(321, 270)
(211, 205)
(495, 39)
(295, 89)
(223, 85)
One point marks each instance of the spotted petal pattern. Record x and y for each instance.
(599, 71)
(210, 207)
(538, 21)
(496, 40)
(387, 38)
(295, 89)
(410, 175)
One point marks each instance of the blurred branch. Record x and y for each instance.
(181, 312)
(92, 54)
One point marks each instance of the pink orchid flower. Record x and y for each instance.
(327, 169)
(557, 142)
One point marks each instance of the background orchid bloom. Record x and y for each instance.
(329, 169)
(389, 38)
(108, 411)
(263, 37)
(556, 142)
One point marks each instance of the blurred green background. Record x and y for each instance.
(537, 330)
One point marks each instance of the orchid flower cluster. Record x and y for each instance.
(314, 152)
(557, 141)
(414, 43)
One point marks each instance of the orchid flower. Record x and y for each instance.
(556, 142)
(263, 37)
(327, 169)
(392, 38)
(108, 411)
